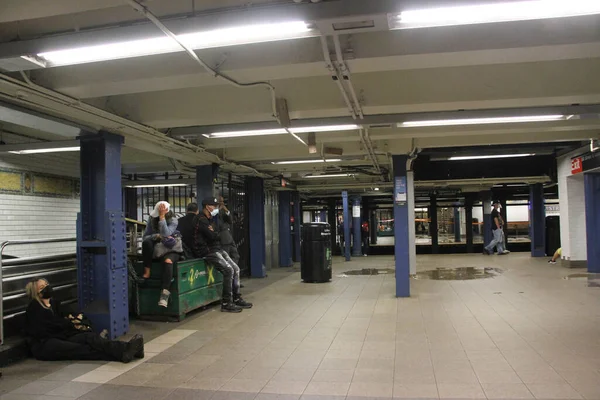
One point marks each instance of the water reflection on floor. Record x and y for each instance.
(458, 274)
(593, 279)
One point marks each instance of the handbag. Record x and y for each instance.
(161, 249)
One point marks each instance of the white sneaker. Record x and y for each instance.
(164, 298)
(506, 252)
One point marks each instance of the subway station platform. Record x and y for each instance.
(529, 330)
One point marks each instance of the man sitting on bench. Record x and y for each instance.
(207, 245)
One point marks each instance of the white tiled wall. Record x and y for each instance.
(33, 217)
(572, 210)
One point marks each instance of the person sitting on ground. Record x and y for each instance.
(186, 227)
(556, 256)
(52, 336)
(162, 241)
(207, 245)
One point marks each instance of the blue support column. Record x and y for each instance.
(205, 180)
(456, 224)
(255, 192)
(486, 204)
(285, 230)
(356, 243)
(347, 221)
(101, 243)
(323, 216)
(401, 238)
(592, 220)
(537, 220)
(296, 231)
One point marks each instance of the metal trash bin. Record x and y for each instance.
(316, 260)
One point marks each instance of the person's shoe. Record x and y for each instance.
(506, 252)
(502, 253)
(138, 342)
(230, 307)
(486, 252)
(164, 298)
(129, 352)
(242, 303)
(551, 262)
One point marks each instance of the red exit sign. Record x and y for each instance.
(576, 165)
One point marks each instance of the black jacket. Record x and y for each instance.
(186, 227)
(206, 236)
(46, 323)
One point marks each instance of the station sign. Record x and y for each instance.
(585, 162)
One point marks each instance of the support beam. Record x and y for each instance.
(297, 214)
(433, 225)
(401, 235)
(332, 219)
(346, 226)
(255, 193)
(130, 203)
(504, 214)
(592, 220)
(456, 224)
(205, 179)
(469, 200)
(101, 243)
(486, 204)
(537, 220)
(356, 244)
(285, 230)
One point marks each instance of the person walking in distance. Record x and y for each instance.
(497, 231)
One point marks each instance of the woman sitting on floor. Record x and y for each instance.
(162, 242)
(53, 337)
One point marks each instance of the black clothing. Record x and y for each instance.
(186, 228)
(167, 275)
(226, 238)
(495, 214)
(206, 236)
(53, 337)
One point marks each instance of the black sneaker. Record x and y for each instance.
(230, 307)
(138, 341)
(242, 303)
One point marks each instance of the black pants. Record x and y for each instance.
(365, 243)
(232, 250)
(167, 275)
(82, 346)
(231, 274)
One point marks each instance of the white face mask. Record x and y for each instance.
(214, 212)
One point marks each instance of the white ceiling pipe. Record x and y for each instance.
(346, 74)
(335, 75)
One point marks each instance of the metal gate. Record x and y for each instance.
(272, 229)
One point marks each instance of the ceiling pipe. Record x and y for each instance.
(346, 75)
(335, 75)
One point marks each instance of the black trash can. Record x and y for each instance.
(315, 265)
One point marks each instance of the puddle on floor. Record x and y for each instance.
(458, 274)
(370, 271)
(593, 279)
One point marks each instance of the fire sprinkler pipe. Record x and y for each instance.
(335, 75)
(346, 74)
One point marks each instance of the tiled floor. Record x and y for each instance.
(525, 334)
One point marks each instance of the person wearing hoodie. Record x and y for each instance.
(162, 242)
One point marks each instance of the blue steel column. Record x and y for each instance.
(323, 216)
(537, 220)
(592, 220)
(456, 224)
(296, 232)
(285, 230)
(486, 204)
(205, 179)
(401, 239)
(433, 225)
(347, 222)
(101, 243)
(356, 245)
(255, 192)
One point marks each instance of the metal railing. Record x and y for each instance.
(135, 235)
(30, 267)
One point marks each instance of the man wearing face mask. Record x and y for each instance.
(207, 245)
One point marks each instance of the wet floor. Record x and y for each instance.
(458, 274)
(593, 279)
(370, 271)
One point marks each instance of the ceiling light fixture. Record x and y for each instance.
(280, 131)
(151, 185)
(461, 158)
(316, 160)
(328, 176)
(481, 121)
(160, 45)
(492, 13)
(50, 150)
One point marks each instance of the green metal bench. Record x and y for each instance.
(195, 284)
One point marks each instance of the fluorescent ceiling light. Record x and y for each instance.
(317, 160)
(150, 185)
(161, 45)
(328, 176)
(280, 131)
(489, 157)
(50, 150)
(481, 121)
(376, 189)
(499, 12)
